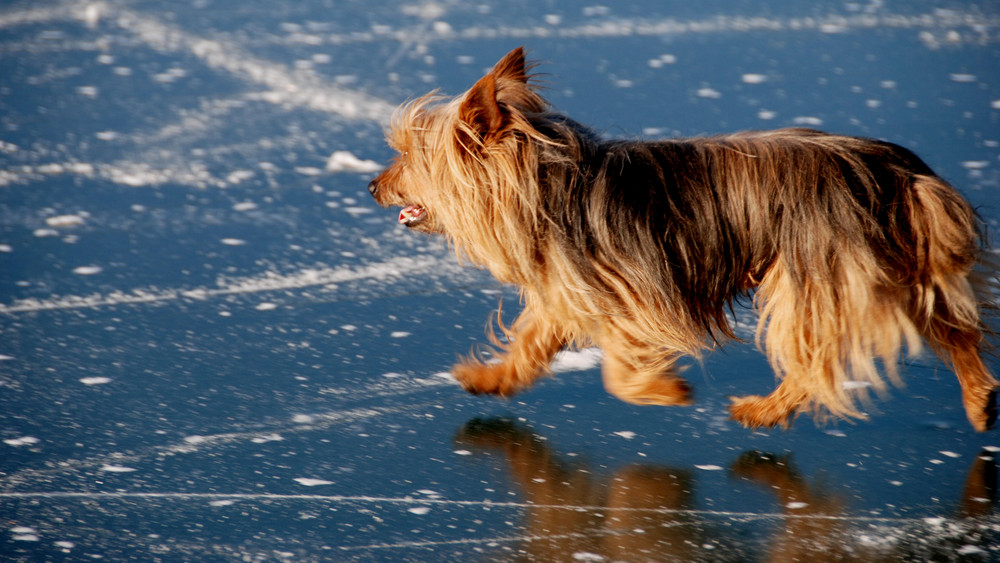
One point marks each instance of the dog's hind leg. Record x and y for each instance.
(533, 342)
(954, 333)
(641, 374)
(979, 388)
(956, 278)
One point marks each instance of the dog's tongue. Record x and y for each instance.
(411, 214)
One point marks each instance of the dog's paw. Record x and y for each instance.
(981, 408)
(485, 379)
(663, 391)
(759, 412)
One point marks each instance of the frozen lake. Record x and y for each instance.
(214, 346)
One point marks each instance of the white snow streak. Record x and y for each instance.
(394, 268)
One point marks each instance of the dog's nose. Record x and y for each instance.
(372, 187)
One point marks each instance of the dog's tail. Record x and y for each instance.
(947, 247)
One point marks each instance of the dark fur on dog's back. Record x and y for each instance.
(850, 248)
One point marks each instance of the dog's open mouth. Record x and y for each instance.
(412, 215)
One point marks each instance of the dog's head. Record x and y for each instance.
(456, 158)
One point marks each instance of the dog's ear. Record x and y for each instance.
(487, 106)
(511, 67)
(480, 109)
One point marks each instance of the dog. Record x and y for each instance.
(849, 249)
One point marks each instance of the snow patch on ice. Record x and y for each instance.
(245, 206)
(310, 482)
(975, 164)
(95, 380)
(576, 360)
(22, 441)
(344, 161)
(88, 270)
(665, 59)
(117, 468)
(807, 120)
(709, 93)
(24, 533)
(267, 438)
(62, 221)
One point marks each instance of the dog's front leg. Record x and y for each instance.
(533, 344)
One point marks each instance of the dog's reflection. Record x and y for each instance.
(649, 512)
(812, 530)
(579, 514)
(816, 527)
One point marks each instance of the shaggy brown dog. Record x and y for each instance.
(851, 248)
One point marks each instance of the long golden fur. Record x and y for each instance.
(850, 248)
